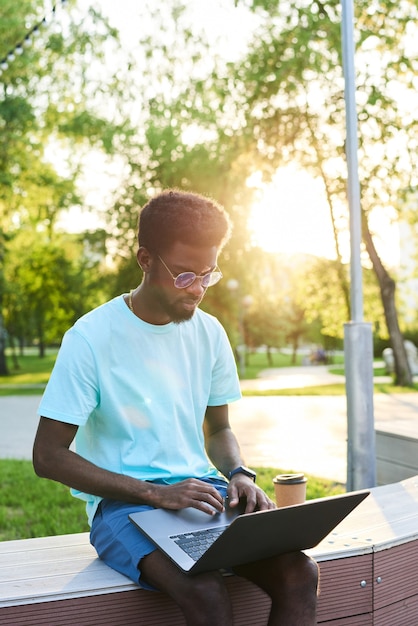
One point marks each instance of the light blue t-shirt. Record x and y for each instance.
(139, 392)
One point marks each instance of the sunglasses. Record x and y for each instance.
(185, 279)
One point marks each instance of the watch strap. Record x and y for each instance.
(243, 470)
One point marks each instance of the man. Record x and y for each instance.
(143, 384)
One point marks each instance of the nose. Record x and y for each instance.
(196, 287)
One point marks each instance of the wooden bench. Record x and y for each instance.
(368, 569)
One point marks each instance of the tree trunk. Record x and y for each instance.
(41, 341)
(403, 375)
(3, 340)
(320, 159)
(295, 344)
(15, 360)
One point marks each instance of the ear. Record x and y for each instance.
(144, 259)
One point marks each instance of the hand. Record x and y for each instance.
(241, 486)
(191, 492)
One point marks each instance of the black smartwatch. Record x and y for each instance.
(243, 470)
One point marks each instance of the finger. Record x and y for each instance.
(265, 504)
(210, 507)
(233, 495)
(216, 500)
(251, 503)
(200, 490)
(208, 500)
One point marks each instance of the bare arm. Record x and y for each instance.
(53, 459)
(224, 452)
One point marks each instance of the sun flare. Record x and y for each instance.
(292, 215)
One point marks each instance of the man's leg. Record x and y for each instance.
(203, 598)
(291, 581)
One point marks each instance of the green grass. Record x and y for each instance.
(34, 373)
(315, 487)
(377, 371)
(35, 507)
(32, 370)
(21, 391)
(257, 361)
(31, 376)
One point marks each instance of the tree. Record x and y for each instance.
(53, 105)
(49, 285)
(297, 61)
(284, 101)
(317, 289)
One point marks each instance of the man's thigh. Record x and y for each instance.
(117, 541)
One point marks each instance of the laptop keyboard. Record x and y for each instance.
(197, 542)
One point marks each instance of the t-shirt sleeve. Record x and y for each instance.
(72, 392)
(225, 386)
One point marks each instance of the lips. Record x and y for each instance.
(189, 305)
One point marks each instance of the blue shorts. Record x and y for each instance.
(119, 543)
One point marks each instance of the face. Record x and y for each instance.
(169, 302)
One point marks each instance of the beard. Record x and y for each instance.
(176, 311)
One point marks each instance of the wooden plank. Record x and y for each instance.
(346, 587)
(41, 543)
(395, 573)
(403, 613)
(250, 606)
(94, 580)
(130, 608)
(387, 517)
(353, 620)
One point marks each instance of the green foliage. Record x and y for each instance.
(53, 107)
(212, 123)
(49, 285)
(35, 507)
(206, 123)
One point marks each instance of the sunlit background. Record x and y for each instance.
(291, 214)
(232, 102)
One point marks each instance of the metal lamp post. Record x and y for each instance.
(358, 340)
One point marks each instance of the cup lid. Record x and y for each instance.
(290, 479)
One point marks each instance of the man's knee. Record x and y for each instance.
(299, 570)
(283, 574)
(206, 600)
(206, 590)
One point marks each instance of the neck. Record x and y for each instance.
(141, 306)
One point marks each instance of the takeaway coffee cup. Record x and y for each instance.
(289, 489)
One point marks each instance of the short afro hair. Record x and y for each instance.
(188, 217)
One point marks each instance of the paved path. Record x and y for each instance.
(309, 433)
(292, 377)
(18, 423)
(300, 433)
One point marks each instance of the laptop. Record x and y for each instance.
(197, 542)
